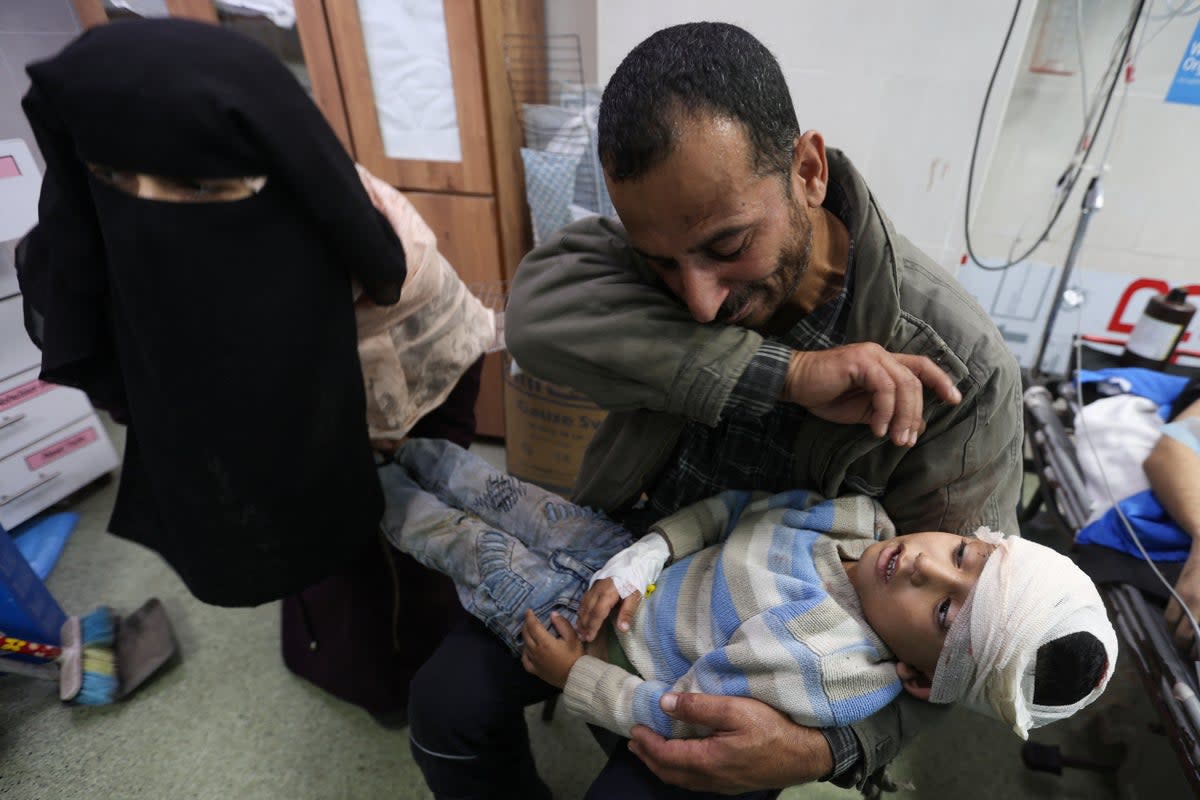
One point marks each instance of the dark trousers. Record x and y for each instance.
(362, 633)
(466, 717)
(468, 734)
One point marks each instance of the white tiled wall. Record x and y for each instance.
(899, 85)
(30, 30)
(577, 17)
(1147, 226)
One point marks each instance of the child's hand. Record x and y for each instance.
(597, 604)
(626, 576)
(549, 657)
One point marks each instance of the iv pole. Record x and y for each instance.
(1093, 201)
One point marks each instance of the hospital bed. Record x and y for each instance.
(1135, 598)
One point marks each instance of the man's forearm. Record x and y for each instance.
(582, 313)
(805, 756)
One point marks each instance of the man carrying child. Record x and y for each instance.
(753, 322)
(813, 606)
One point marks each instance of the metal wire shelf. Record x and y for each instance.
(557, 110)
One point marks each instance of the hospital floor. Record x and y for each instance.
(229, 720)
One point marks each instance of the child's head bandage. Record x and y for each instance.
(1027, 595)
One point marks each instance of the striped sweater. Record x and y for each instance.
(754, 603)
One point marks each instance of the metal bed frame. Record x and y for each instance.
(1171, 680)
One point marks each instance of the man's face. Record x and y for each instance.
(731, 244)
(912, 587)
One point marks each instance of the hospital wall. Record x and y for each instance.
(899, 86)
(1148, 226)
(30, 30)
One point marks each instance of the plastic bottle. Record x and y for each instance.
(1158, 330)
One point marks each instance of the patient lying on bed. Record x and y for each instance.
(1173, 469)
(813, 606)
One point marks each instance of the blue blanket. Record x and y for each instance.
(1162, 538)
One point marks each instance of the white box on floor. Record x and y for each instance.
(51, 441)
(52, 467)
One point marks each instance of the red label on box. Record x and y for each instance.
(26, 391)
(61, 448)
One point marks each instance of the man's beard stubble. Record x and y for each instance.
(776, 289)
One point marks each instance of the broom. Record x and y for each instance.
(83, 665)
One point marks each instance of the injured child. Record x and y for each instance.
(813, 606)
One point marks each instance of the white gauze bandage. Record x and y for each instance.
(637, 566)
(1027, 595)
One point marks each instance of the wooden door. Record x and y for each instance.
(96, 12)
(473, 172)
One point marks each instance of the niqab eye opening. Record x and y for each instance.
(179, 190)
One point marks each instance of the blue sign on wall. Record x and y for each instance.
(1186, 86)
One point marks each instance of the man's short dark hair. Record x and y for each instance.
(708, 67)
(1068, 669)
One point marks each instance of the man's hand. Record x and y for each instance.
(752, 746)
(1187, 587)
(546, 656)
(597, 604)
(863, 383)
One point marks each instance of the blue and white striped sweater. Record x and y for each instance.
(755, 604)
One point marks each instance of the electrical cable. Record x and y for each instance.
(1089, 114)
(1066, 182)
(1182, 11)
(1143, 42)
(1083, 82)
(1078, 348)
(1166, 19)
(1113, 64)
(1088, 111)
(1115, 129)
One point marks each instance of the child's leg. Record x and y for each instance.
(543, 521)
(497, 577)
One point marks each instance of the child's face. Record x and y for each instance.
(913, 586)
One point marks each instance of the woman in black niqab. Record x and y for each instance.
(220, 330)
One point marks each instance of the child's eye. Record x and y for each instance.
(942, 612)
(960, 555)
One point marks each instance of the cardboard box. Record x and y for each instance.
(547, 429)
